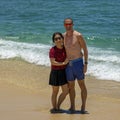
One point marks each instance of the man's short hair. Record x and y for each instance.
(68, 19)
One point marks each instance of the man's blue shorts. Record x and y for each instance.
(74, 70)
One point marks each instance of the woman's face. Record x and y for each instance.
(58, 40)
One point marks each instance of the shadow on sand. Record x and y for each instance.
(72, 112)
(75, 112)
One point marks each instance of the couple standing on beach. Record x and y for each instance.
(69, 59)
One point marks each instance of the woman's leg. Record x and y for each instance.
(62, 96)
(55, 90)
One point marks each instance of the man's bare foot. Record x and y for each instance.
(72, 110)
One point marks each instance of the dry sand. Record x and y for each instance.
(19, 102)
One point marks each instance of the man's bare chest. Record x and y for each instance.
(71, 41)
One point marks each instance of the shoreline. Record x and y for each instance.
(33, 102)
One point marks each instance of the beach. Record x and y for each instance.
(20, 101)
(26, 29)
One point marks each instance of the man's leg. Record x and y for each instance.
(72, 94)
(83, 93)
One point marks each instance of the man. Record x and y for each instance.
(77, 55)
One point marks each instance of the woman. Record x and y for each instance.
(57, 78)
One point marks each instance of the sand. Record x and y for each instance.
(20, 101)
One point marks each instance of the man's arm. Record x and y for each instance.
(84, 47)
(85, 51)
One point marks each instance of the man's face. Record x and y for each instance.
(68, 24)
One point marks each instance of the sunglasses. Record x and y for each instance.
(68, 24)
(57, 38)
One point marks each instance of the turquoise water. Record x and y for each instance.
(26, 28)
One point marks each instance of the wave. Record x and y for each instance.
(103, 64)
(33, 53)
(102, 55)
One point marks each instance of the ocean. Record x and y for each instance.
(26, 27)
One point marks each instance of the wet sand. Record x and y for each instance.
(21, 102)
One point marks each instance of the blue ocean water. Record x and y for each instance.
(26, 28)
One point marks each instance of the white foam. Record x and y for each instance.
(99, 54)
(104, 71)
(104, 64)
(33, 53)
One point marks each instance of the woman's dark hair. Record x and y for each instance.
(57, 33)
